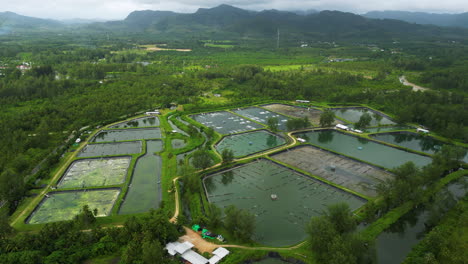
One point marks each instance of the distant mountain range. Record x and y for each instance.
(228, 21)
(444, 20)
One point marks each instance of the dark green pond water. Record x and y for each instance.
(261, 116)
(105, 149)
(395, 243)
(362, 149)
(127, 134)
(139, 122)
(144, 191)
(248, 143)
(353, 114)
(414, 141)
(279, 222)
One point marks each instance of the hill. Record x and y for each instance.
(445, 20)
(12, 22)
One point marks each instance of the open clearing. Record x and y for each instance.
(354, 175)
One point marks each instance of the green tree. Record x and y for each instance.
(201, 159)
(327, 118)
(11, 187)
(364, 121)
(214, 216)
(227, 155)
(5, 228)
(272, 123)
(341, 217)
(85, 218)
(240, 222)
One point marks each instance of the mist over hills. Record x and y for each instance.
(445, 20)
(229, 21)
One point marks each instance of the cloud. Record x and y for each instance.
(119, 9)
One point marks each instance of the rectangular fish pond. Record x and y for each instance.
(354, 175)
(225, 122)
(261, 116)
(144, 192)
(296, 111)
(108, 149)
(61, 206)
(249, 143)
(95, 172)
(352, 114)
(362, 149)
(127, 134)
(414, 141)
(280, 221)
(138, 122)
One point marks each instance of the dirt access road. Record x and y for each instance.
(416, 88)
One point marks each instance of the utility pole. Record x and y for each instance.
(278, 39)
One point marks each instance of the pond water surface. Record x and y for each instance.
(144, 191)
(363, 149)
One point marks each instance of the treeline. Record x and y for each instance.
(140, 240)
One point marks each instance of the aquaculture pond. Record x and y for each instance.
(353, 114)
(144, 191)
(261, 116)
(280, 198)
(225, 122)
(139, 122)
(362, 149)
(413, 141)
(386, 129)
(177, 129)
(127, 134)
(95, 172)
(354, 175)
(61, 206)
(394, 244)
(296, 111)
(178, 143)
(107, 149)
(248, 143)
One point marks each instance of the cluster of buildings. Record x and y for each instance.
(185, 252)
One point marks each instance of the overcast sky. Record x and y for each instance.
(119, 9)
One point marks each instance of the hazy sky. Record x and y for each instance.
(119, 9)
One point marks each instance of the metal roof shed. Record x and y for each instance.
(194, 258)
